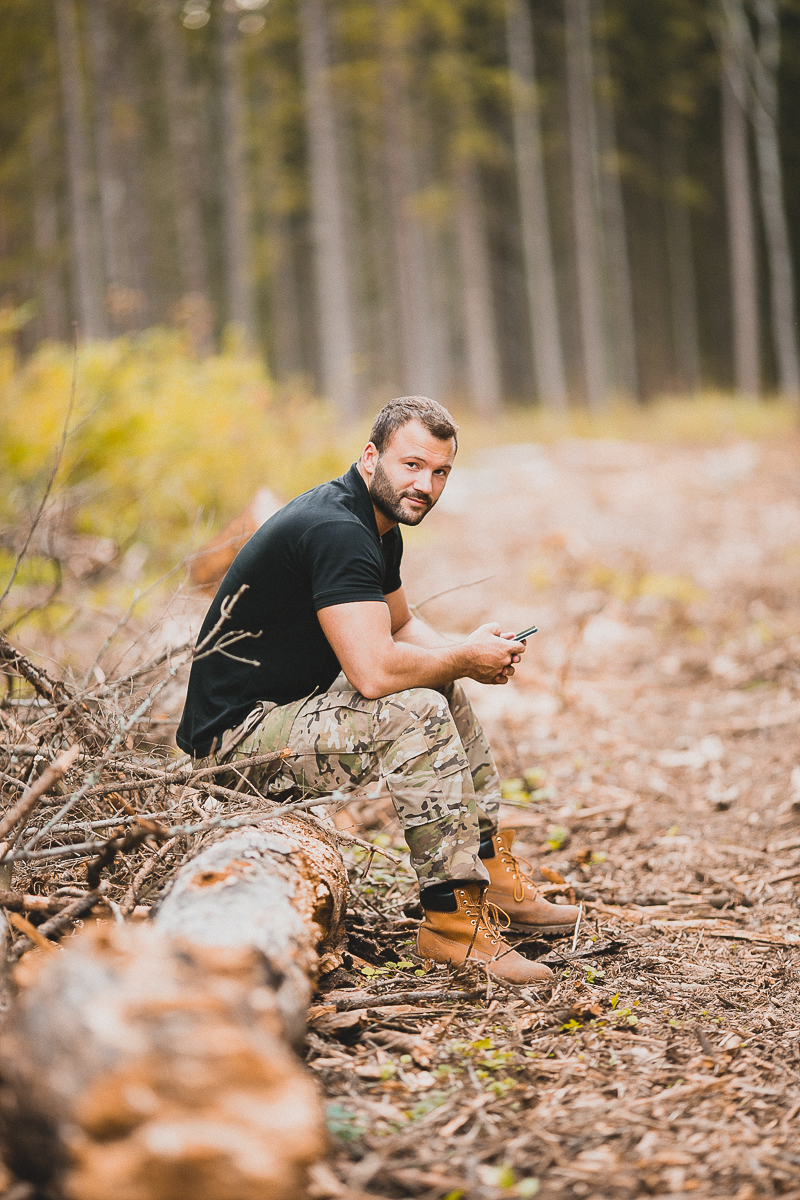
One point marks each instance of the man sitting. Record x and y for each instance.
(335, 667)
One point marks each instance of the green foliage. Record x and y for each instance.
(557, 837)
(526, 788)
(163, 446)
(391, 968)
(343, 1125)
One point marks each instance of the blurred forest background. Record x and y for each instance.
(262, 219)
(487, 199)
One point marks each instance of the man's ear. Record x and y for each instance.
(369, 457)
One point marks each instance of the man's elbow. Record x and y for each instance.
(370, 684)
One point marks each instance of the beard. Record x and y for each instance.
(390, 502)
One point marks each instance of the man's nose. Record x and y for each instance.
(424, 483)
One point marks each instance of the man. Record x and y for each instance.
(333, 666)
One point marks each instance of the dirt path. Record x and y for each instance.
(650, 746)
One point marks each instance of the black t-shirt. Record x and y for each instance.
(322, 549)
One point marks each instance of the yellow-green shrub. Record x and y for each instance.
(159, 439)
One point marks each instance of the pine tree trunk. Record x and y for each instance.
(420, 371)
(184, 161)
(333, 283)
(109, 175)
(682, 288)
(548, 359)
(154, 1063)
(480, 336)
(86, 274)
(239, 288)
(741, 232)
(583, 154)
(770, 178)
(136, 216)
(619, 304)
(287, 335)
(52, 316)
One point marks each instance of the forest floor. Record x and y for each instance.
(650, 751)
(648, 746)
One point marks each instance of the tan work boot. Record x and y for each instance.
(512, 889)
(471, 934)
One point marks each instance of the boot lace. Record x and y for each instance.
(522, 874)
(487, 918)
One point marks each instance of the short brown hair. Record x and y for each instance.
(397, 413)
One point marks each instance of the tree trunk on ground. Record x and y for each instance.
(86, 278)
(548, 358)
(184, 161)
(333, 282)
(741, 229)
(239, 291)
(583, 154)
(152, 1063)
(770, 177)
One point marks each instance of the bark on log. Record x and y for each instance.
(154, 1062)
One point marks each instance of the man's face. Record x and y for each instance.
(408, 478)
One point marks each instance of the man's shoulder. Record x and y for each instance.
(326, 504)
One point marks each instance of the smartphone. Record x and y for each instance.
(526, 633)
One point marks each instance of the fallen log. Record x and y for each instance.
(155, 1062)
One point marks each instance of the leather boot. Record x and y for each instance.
(512, 889)
(471, 934)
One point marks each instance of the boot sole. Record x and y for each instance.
(563, 929)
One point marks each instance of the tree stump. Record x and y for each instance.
(154, 1062)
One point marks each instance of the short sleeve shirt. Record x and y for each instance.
(321, 549)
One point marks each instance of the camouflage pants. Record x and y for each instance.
(426, 747)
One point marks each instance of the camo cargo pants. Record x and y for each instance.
(426, 747)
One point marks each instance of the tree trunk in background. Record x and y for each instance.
(480, 336)
(770, 177)
(741, 232)
(139, 233)
(86, 277)
(52, 315)
(333, 283)
(548, 359)
(420, 372)
(285, 302)
(682, 289)
(379, 330)
(116, 256)
(583, 155)
(619, 304)
(184, 157)
(239, 291)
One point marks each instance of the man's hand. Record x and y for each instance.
(495, 653)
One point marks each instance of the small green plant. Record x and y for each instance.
(391, 968)
(343, 1125)
(557, 836)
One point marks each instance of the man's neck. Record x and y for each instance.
(383, 522)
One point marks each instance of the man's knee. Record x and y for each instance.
(422, 703)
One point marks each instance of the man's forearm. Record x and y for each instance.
(417, 632)
(409, 665)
